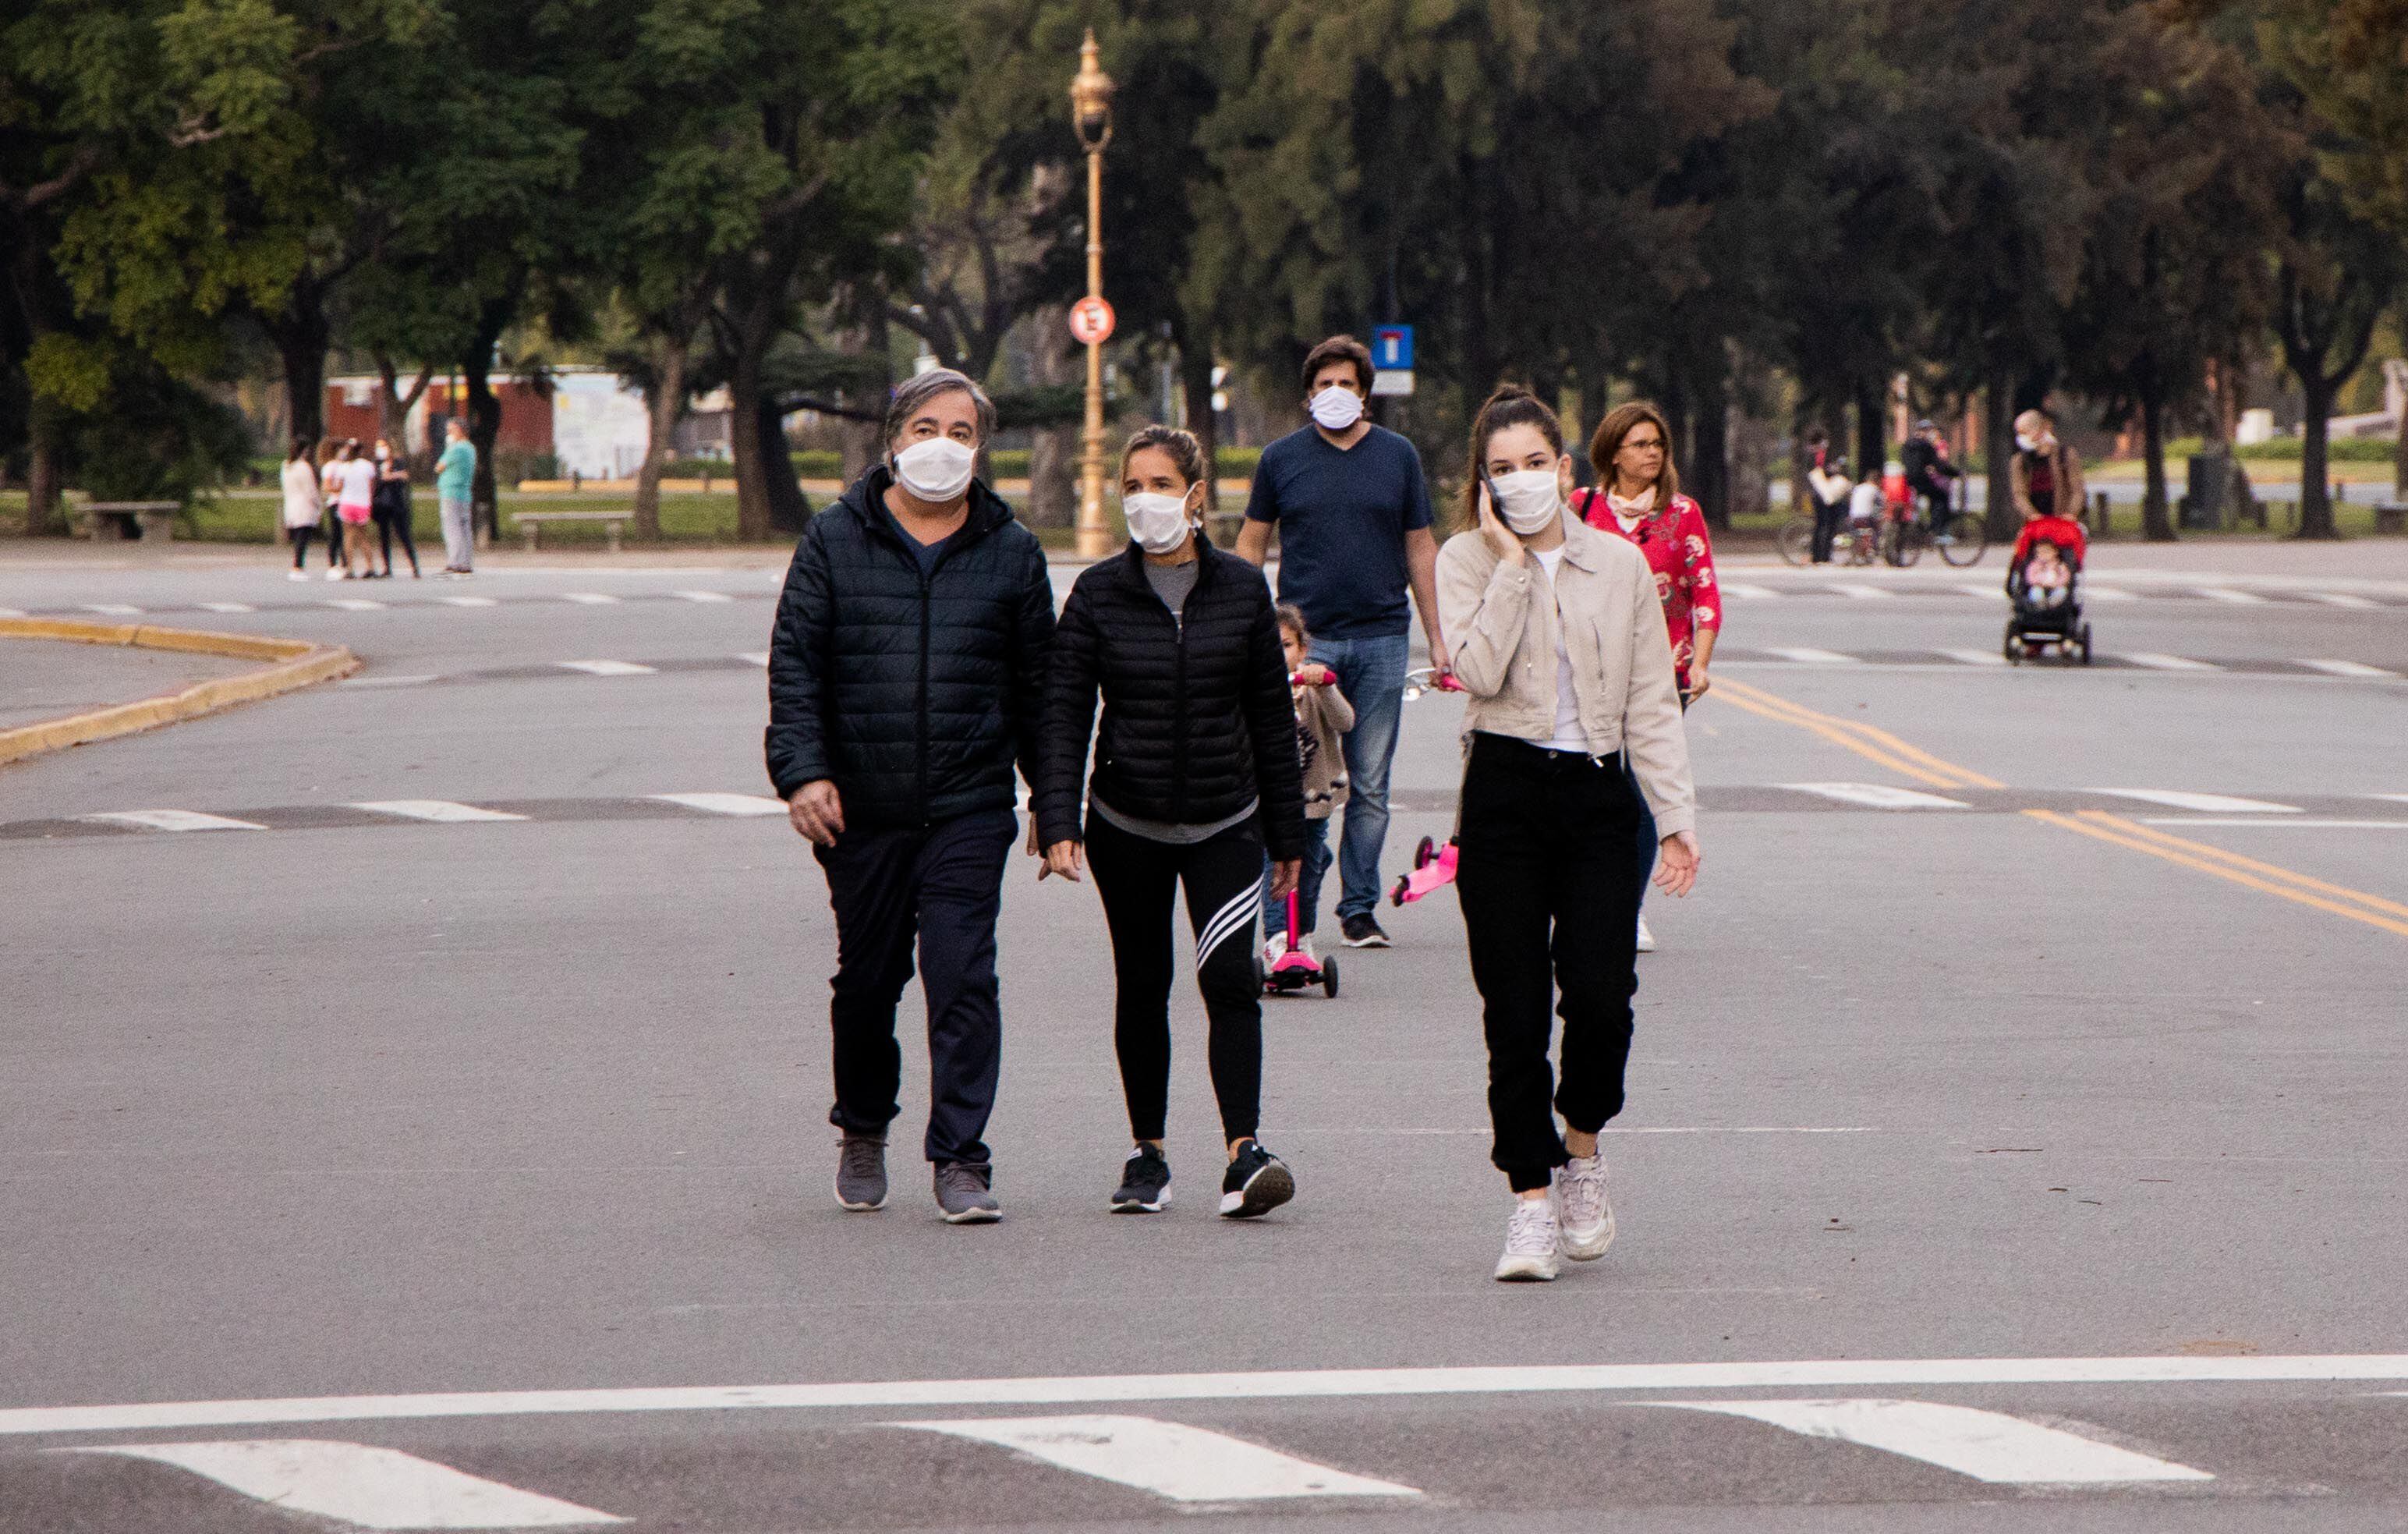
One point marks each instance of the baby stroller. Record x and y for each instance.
(2047, 620)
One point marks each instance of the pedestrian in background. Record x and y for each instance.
(1354, 514)
(1196, 782)
(392, 507)
(907, 671)
(304, 507)
(455, 478)
(1641, 501)
(1930, 474)
(1323, 717)
(356, 480)
(2045, 477)
(1827, 492)
(1558, 638)
(330, 491)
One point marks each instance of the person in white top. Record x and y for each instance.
(302, 507)
(330, 494)
(355, 480)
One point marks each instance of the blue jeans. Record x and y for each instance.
(1308, 884)
(1371, 674)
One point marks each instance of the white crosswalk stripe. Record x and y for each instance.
(2346, 668)
(590, 598)
(756, 657)
(1984, 592)
(1862, 592)
(227, 607)
(2225, 803)
(443, 811)
(2340, 599)
(113, 610)
(1879, 796)
(607, 668)
(353, 604)
(1974, 657)
(466, 601)
(2156, 662)
(703, 596)
(2233, 595)
(1989, 1446)
(1807, 655)
(174, 820)
(725, 803)
(2107, 593)
(1746, 592)
(361, 1485)
(1167, 1459)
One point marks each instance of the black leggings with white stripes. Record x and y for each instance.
(1223, 874)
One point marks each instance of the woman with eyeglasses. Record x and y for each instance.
(1638, 499)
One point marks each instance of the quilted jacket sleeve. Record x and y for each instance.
(796, 738)
(1032, 644)
(1270, 720)
(1072, 676)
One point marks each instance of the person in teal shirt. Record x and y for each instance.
(455, 473)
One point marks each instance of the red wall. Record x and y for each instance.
(526, 416)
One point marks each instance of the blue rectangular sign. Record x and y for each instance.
(1392, 348)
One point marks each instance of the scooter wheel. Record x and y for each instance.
(1396, 896)
(1423, 853)
(1329, 978)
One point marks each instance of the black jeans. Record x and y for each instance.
(1137, 878)
(392, 520)
(1828, 520)
(1544, 875)
(941, 884)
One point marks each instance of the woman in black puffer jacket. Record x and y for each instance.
(1196, 778)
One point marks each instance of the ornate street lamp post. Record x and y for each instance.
(1091, 110)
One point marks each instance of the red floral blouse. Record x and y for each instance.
(1675, 541)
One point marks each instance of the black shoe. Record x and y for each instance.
(1258, 1182)
(1145, 1185)
(1362, 932)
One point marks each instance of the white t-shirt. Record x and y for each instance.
(359, 482)
(302, 507)
(1569, 733)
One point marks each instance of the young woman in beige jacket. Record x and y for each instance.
(1558, 635)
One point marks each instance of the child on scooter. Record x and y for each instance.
(1322, 715)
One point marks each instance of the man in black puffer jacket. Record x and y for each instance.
(906, 674)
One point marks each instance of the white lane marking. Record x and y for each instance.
(703, 596)
(1746, 592)
(2174, 799)
(2340, 600)
(353, 604)
(361, 1485)
(443, 811)
(1266, 1384)
(1974, 657)
(2395, 798)
(2345, 668)
(1878, 795)
(2286, 824)
(175, 820)
(1987, 1445)
(1808, 655)
(725, 803)
(385, 682)
(2231, 593)
(1976, 589)
(1167, 1459)
(754, 658)
(227, 607)
(2108, 593)
(607, 668)
(2156, 662)
(11, 612)
(1862, 592)
(590, 598)
(114, 609)
(466, 601)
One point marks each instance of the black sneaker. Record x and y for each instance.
(1362, 932)
(1258, 1182)
(1145, 1187)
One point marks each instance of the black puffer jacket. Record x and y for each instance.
(1197, 718)
(913, 695)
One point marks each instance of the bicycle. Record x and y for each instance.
(1852, 544)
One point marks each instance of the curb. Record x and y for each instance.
(293, 664)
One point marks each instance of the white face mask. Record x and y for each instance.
(1159, 523)
(1336, 408)
(1529, 498)
(935, 470)
(2030, 444)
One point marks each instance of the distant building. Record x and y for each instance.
(591, 423)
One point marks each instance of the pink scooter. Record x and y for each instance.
(1296, 971)
(1433, 864)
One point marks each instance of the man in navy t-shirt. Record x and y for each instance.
(1354, 513)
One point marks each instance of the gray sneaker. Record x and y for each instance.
(1585, 1214)
(861, 1173)
(962, 1192)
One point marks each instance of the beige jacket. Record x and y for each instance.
(1501, 628)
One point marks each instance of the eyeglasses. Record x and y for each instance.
(1642, 443)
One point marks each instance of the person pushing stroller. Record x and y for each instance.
(2044, 581)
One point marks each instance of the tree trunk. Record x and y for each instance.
(2157, 521)
(1872, 429)
(1709, 473)
(789, 508)
(1053, 451)
(393, 406)
(664, 405)
(43, 482)
(2315, 473)
(301, 338)
(1196, 393)
(1998, 441)
(750, 444)
(863, 440)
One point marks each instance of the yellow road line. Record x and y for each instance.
(1866, 741)
(2090, 828)
(2132, 827)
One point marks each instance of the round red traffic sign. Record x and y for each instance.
(1091, 322)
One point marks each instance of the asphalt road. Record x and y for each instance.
(356, 1104)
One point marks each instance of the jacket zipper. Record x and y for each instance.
(927, 589)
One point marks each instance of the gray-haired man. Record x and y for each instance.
(906, 671)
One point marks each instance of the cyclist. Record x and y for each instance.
(1929, 475)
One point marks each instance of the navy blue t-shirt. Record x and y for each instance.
(1343, 514)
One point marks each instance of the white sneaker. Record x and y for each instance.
(1274, 950)
(1304, 946)
(1646, 939)
(336, 575)
(1587, 1216)
(295, 574)
(1530, 1241)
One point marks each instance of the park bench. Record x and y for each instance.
(531, 524)
(151, 519)
(2391, 517)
